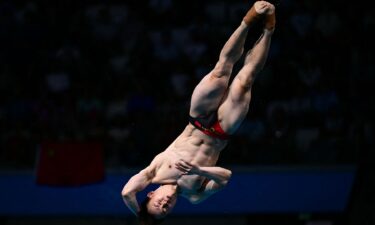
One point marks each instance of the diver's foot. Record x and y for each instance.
(252, 16)
(261, 9)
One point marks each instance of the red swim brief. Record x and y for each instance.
(210, 126)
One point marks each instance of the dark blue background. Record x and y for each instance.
(292, 190)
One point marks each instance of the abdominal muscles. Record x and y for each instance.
(197, 148)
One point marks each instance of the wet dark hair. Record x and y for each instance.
(144, 217)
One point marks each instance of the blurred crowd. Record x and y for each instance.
(122, 72)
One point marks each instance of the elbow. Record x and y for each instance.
(229, 174)
(227, 178)
(126, 193)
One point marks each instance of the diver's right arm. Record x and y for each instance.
(136, 184)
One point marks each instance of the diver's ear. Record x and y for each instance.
(150, 194)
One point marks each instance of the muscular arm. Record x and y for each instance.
(219, 175)
(136, 184)
(216, 179)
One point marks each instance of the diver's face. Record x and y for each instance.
(162, 201)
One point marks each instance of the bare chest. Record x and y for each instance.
(168, 174)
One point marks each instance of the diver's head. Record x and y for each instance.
(158, 204)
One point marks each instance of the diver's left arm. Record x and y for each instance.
(216, 179)
(220, 175)
(217, 174)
